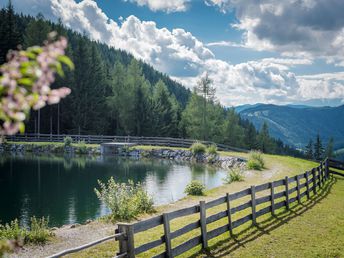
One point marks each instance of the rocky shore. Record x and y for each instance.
(163, 153)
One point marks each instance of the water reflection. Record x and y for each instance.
(63, 187)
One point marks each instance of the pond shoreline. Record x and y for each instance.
(163, 152)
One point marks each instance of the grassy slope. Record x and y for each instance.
(289, 234)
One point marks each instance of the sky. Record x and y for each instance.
(255, 51)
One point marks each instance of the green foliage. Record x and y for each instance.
(318, 148)
(309, 150)
(195, 187)
(67, 141)
(234, 175)
(255, 160)
(329, 149)
(82, 147)
(212, 149)
(125, 200)
(198, 148)
(38, 233)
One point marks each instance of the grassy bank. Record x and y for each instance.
(288, 234)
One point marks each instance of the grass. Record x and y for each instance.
(293, 233)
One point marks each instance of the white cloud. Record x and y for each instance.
(313, 28)
(163, 5)
(180, 54)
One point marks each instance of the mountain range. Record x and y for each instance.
(297, 124)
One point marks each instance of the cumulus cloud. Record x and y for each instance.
(180, 54)
(313, 28)
(163, 5)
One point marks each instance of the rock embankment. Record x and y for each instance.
(164, 153)
(186, 155)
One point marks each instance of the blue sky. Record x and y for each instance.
(267, 51)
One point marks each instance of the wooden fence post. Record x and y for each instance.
(253, 204)
(307, 185)
(203, 217)
(126, 243)
(287, 192)
(327, 169)
(229, 214)
(167, 234)
(319, 176)
(272, 187)
(298, 189)
(314, 182)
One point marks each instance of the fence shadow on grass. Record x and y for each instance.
(231, 243)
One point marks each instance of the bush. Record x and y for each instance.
(125, 200)
(195, 188)
(255, 160)
(198, 148)
(212, 149)
(67, 141)
(234, 175)
(38, 233)
(82, 148)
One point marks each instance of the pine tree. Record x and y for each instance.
(309, 150)
(329, 149)
(318, 148)
(264, 141)
(233, 134)
(207, 92)
(36, 32)
(10, 37)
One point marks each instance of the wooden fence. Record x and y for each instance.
(97, 139)
(281, 193)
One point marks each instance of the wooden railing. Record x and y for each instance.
(272, 196)
(97, 139)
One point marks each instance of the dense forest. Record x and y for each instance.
(115, 94)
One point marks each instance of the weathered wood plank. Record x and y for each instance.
(217, 216)
(240, 194)
(298, 189)
(279, 182)
(307, 185)
(229, 215)
(263, 199)
(241, 207)
(287, 192)
(241, 221)
(279, 195)
(291, 190)
(293, 199)
(280, 204)
(184, 212)
(263, 211)
(148, 224)
(217, 231)
(272, 187)
(262, 187)
(148, 246)
(215, 202)
(186, 229)
(203, 218)
(167, 235)
(253, 204)
(182, 248)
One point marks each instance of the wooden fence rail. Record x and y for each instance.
(97, 139)
(298, 186)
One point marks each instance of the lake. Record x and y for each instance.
(63, 187)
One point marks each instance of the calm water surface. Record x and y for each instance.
(63, 187)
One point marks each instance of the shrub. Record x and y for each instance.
(255, 160)
(125, 200)
(82, 148)
(67, 141)
(212, 149)
(38, 232)
(234, 175)
(195, 188)
(198, 148)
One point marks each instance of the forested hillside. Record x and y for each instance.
(296, 125)
(115, 94)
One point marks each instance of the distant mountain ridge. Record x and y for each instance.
(295, 125)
